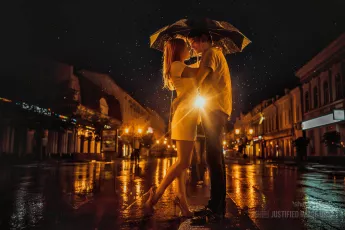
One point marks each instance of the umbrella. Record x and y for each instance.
(223, 34)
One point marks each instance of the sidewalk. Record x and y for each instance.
(198, 195)
(335, 170)
(235, 218)
(327, 169)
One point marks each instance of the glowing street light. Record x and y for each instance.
(157, 141)
(126, 130)
(199, 102)
(237, 131)
(140, 131)
(251, 131)
(224, 142)
(149, 130)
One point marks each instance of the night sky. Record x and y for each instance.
(113, 37)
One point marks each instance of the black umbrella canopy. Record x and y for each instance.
(223, 34)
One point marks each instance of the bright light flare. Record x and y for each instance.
(199, 102)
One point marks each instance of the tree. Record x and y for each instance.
(332, 141)
(301, 145)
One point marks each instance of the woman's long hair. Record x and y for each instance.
(172, 52)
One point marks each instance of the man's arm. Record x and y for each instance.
(203, 72)
(207, 66)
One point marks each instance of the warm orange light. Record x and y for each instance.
(224, 142)
(5, 99)
(237, 131)
(251, 131)
(157, 141)
(140, 130)
(126, 130)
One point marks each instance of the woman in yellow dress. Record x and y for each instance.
(178, 76)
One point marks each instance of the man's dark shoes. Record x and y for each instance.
(206, 216)
(202, 212)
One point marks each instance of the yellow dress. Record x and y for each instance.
(185, 115)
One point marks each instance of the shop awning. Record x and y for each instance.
(337, 115)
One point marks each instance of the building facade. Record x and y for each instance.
(270, 127)
(70, 112)
(68, 120)
(323, 84)
(314, 110)
(137, 120)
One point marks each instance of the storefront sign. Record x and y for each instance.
(259, 138)
(109, 140)
(336, 116)
(35, 108)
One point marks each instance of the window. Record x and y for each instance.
(343, 73)
(325, 93)
(274, 122)
(306, 101)
(316, 96)
(338, 93)
(103, 106)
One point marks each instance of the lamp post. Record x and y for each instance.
(237, 131)
(251, 131)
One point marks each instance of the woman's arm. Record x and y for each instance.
(189, 72)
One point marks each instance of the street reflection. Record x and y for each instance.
(96, 194)
(28, 207)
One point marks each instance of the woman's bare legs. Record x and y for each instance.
(181, 190)
(184, 157)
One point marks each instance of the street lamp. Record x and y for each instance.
(237, 131)
(224, 142)
(127, 130)
(140, 131)
(251, 131)
(157, 141)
